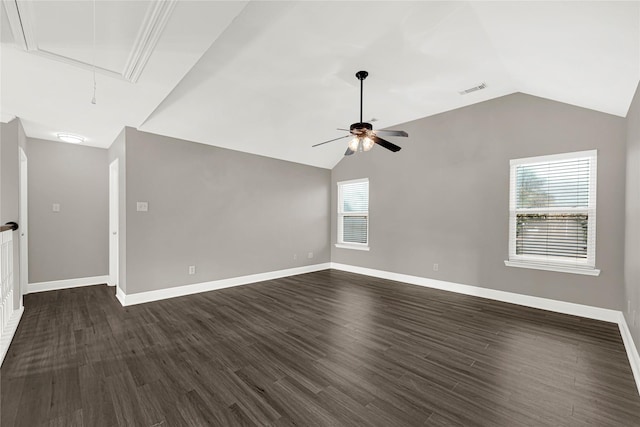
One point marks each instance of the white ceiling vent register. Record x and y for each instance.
(52, 29)
(473, 89)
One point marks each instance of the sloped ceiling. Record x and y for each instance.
(273, 78)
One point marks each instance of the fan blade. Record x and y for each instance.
(348, 152)
(386, 144)
(331, 140)
(390, 132)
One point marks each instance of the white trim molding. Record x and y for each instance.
(154, 22)
(632, 350)
(553, 267)
(195, 288)
(121, 296)
(8, 332)
(587, 311)
(66, 284)
(564, 307)
(352, 246)
(21, 17)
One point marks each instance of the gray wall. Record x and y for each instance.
(228, 213)
(632, 235)
(12, 137)
(444, 198)
(117, 150)
(72, 243)
(10, 162)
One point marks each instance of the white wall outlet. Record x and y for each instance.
(310, 255)
(435, 267)
(192, 269)
(295, 257)
(56, 207)
(142, 206)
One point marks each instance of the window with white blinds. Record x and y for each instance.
(553, 212)
(353, 213)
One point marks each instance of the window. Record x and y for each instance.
(552, 213)
(353, 214)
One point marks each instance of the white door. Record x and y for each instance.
(113, 224)
(24, 238)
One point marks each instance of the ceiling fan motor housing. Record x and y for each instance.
(358, 128)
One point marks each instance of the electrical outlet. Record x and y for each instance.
(192, 269)
(435, 267)
(56, 207)
(310, 255)
(142, 206)
(295, 257)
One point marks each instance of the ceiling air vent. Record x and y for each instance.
(473, 89)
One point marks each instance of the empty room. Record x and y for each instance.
(319, 213)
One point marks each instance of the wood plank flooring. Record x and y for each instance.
(325, 348)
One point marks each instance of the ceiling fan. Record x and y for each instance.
(364, 137)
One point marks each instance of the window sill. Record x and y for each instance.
(554, 267)
(356, 247)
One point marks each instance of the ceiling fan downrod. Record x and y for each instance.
(361, 75)
(362, 134)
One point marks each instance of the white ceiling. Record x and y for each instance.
(273, 78)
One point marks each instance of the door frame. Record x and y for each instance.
(24, 225)
(114, 222)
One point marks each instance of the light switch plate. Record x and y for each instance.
(142, 206)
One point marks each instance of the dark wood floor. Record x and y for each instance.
(326, 348)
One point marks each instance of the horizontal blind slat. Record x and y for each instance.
(559, 235)
(354, 229)
(355, 197)
(560, 183)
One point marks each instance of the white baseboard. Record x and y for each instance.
(8, 332)
(590, 312)
(581, 310)
(66, 284)
(632, 350)
(178, 291)
(120, 295)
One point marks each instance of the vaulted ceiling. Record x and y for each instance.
(273, 78)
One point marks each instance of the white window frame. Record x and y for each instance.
(341, 214)
(586, 266)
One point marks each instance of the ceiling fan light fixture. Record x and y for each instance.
(367, 143)
(354, 144)
(359, 144)
(70, 138)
